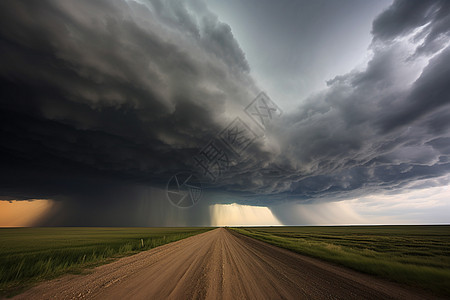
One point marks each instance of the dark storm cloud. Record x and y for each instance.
(404, 16)
(102, 101)
(429, 93)
(430, 18)
(96, 93)
(102, 94)
(382, 128)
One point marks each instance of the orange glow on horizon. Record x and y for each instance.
(23, 213)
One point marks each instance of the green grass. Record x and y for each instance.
(29, 255)
(413, 255)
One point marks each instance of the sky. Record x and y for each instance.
(180, 113)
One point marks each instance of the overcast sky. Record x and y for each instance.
(103, 102)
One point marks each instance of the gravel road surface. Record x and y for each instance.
(220, 264)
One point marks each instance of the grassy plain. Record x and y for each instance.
(28, 255)
(414, 255)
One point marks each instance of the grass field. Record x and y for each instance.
(414, 255)
(28, 255)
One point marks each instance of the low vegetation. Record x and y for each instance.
(28, 255)
(414, 255)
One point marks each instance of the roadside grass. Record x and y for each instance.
(30, 255)
(415, 255)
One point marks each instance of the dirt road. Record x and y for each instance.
(219, 264)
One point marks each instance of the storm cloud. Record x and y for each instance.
(376, 129)
(110, 90)
(102, 100)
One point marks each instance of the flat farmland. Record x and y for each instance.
(29, 255)
(221, 264)
(414, 255)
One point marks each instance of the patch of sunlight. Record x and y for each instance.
(242, 215)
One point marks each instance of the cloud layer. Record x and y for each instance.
(111, 91)
(375, 129)
(124, 93)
